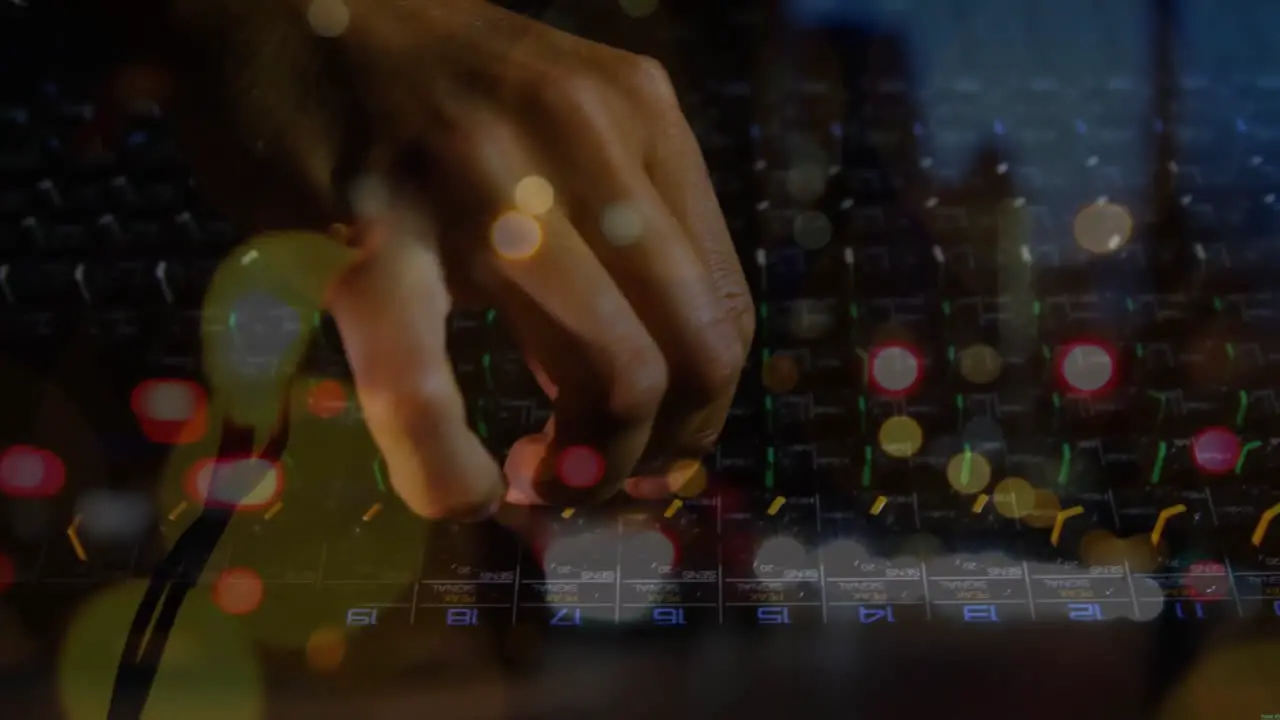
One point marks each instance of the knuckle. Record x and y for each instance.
(639, 384)
(714, 368)
(703, 442)
(469, 143)
(648, 79)
(565, 95)
(465, 510)
(744, 312)
(414, 412)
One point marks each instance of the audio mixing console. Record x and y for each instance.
(1013, 390)
(1195, 553)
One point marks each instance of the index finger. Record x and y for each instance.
(390, 308)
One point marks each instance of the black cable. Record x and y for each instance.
(175, 576)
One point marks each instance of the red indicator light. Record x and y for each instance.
(1215, 450)
(238, 591)
(246, 484)
(27, 471)
(327, 399)
(894, 369)
(1086, 368)
(580, 467)
(171, 412)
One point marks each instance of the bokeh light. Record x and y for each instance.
(901, 436)
(651, 549)
(246, 484)
(1087, 367)
(326, 649)
(1215, 450)
(781, 551)
(780, 374)
(263, 329)
(515, 235)
(580, 466)
(209, 671)
(807, 181)
(268, 294)
(638, 8)
(328, 18)
(534, 195)
(27, 471)
(327, 399)
(621, 224)
(574, 550)
(115, 515)
(1101, 547)
(1044, 510)
(812, 230)
(687, 478)
(238, 591)
(1142, 556)
(171, 411)
(1103, 227)
(1013, 497)
(894, 369)
(980, 364)
(968, 472)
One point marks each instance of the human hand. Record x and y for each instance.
(613, 265)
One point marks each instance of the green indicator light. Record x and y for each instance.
(486, 362)
(231, 321)
(1231, 352)
(1244, 408)
(482, 429)
(377, 474)
(1057, 401)
(866, 466)
(1035, 308)
(946, 307)
(1217, 304)
(951, 353)
(768, 473)
(1155, 471)
(490, 316)
(1245, 451)
(1139, 349)
(853, 310)
(1128, 303)
(1064, 466)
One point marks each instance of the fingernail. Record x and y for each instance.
(648, 487)
(519, 496)
(521, 468)
(484, 514)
